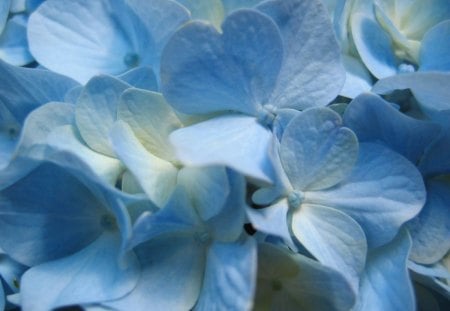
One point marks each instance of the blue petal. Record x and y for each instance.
(208, 10)
(177, 217)
(96, 112)
(435, 48)
(4, 12)
(436, 160)
(374, 119)
(234, 71)
(230, 276)
(10, 274)
(383, 191)
(310, 50)
(92, 37)
(237, 141)
(334, 238)
(272, 220)
(157, 177)
(430, 230)
(358, 79)
(13, 42)
(91, 275)
(2, 297)
(385, 284)
(33, 231)
(141, 78)
(151, 119)
(431, 89)
(24, 89)
(171, 276)
(316, 151)
(374, 46)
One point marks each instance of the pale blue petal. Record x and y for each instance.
(282, 119)
(230, 276)
(358, 79)
(92, 37)
(96, 112)
(73, 94)
(375, 120)
(228, 224)
(310, 50)
(13, 42)
(39, 125)
(231, 5)
(385, 284)
(383, 191)
(234, 71)
(18, 6)
(237, 141)
(141, 78)
(208, 189)
(4, 12)
(316, 151)
(178, 217)
(67, 138)
(430, 230)
(24, 89)
(161, 19)
(374, 46)
(290, 281)
(151, 119)
(91, 275)
(334, 238)
(431, 89)
(435, 48)
(171, 277)
(156, 176)
(259, 53)
(34, 232)
(272, 220)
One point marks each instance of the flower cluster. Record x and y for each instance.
(225, 154)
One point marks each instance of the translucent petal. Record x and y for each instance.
(141, 78)
(334, 238)
(236, 141)
(99, 37)
(91, 275)
(435, 48)
(230, 276)
(374, 46)
(316, 151)
(385, 284)
(310, 50)
(96, 111)
(383, 191)
(358, 79)
(156, 176)
(209, 10)
(430, 230)
(151, 119)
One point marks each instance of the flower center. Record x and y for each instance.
(295, 199)
(266, 115)
(131, 60)
(108, 222)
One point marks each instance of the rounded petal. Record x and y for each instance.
(13, 42)
(435, 48)
(383, 191)
(316, 151)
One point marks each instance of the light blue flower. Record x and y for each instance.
(72, 237)
(401, 36)
(83, 38)
(255, 75)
